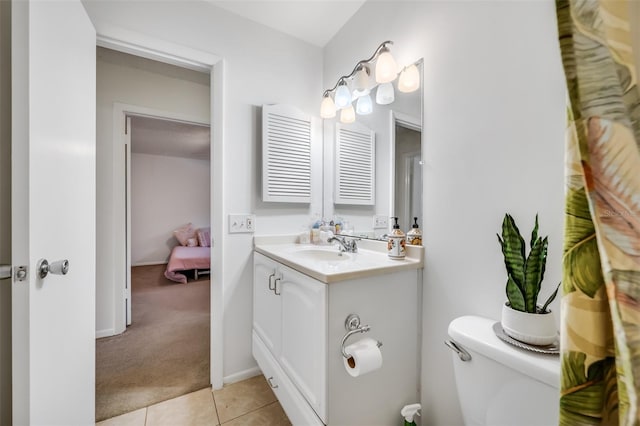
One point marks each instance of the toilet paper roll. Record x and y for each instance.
(364, 357)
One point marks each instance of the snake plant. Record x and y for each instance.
(524, 273)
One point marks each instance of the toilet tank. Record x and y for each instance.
(502, 384)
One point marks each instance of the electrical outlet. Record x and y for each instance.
(242, 223)
(380, 221)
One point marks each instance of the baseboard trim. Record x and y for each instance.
(241, 375)
(105, 333)
(162, 262)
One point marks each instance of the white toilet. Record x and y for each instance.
(502, 384)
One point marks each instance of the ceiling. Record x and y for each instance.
(314, 21)
(169, 138)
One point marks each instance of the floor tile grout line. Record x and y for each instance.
(215, 407)
(249, 412)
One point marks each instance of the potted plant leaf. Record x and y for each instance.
(522, 317)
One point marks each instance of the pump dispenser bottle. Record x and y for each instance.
(396, 242)
(414, 236)
(408, 412)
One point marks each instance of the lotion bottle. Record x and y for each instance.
(414, 236)
(396, 242)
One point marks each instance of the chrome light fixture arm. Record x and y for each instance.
(361, 63)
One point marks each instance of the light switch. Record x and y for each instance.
(241, 223)
(380, 221)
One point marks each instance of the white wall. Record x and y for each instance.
(494, 118)
(144, 83)
(166, 193)
(261, 66)
(5, 210)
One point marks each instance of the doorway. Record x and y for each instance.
(153, 157)
(408, 173)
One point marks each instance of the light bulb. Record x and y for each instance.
(348, 115)
(364, 105)
(361, 80)
(385, 94)
(327, 107)
(386, 68)
(343, 96)
(409, 80)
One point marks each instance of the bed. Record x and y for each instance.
(184, 258)
(193, 253)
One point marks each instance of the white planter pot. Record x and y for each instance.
(534, 329)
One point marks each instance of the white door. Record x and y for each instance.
(304, 335)
(266, 304)
(53, 212)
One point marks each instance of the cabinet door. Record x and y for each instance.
(304, 335)
(266, 304)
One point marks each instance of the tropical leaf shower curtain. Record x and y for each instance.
(600, 325)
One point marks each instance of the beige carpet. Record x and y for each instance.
(164, 353)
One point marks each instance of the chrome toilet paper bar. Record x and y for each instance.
(352, 324)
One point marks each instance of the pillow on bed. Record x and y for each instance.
(192, 242)
(184, 233)
(204, 237)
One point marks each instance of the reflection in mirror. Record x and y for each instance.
(408, 174)
(398, 166)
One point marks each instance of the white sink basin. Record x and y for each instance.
(320, 255)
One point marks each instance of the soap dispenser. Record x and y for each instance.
(414, 236)
(396, 242)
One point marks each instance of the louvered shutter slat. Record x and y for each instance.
(286, 154)
(355, 165)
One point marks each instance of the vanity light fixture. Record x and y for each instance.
(409, 80)
(361, 80)
(385, 94)
(386, 67)
(328, 107)
(343, 95)
(364, 105)
(348, 115)
(386, 71)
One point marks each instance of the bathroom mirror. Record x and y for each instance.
(398, 165)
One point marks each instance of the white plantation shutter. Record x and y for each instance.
(286, 154)
(355, 165)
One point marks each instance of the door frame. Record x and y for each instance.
(121, 113)
(409, 122)
(152, 48)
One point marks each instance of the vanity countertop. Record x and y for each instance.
(323, 262)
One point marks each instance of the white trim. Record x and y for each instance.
(105, 333)
(138, 44)
(242, 375)
(122, 175)
(153, 48)
(217, 209)
(409, 122)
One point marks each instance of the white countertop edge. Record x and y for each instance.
(265, 245)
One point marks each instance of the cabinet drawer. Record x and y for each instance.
(293, 403)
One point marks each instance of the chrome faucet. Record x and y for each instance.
(345, 246)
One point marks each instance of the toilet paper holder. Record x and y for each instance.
(352, 324)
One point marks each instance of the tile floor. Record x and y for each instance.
(250, 402)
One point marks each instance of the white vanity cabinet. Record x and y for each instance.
(290, 318)
(299, 313)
